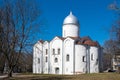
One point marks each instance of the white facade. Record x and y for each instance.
(56, 56)
(69, 54)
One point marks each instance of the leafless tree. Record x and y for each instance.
(26, 63)
(115, 29)
(112, 46)
(19, 22)
(109, 50)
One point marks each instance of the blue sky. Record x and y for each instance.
(94, 16)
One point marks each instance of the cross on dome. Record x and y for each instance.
(70, 12)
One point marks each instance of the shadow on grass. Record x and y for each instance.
(51, 78)
(40, 78)
(99, 76)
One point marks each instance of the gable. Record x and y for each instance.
(56, 38)
(69, 39)
(56, 41)
(45, 43)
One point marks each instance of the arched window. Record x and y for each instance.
(56, 60)
(38, 60)
(67, 57)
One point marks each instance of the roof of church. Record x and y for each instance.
(83, 41)
(71, 19)
(61, 37)
(87, 41)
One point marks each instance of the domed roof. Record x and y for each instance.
(71, 19)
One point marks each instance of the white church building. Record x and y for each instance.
(69, 54)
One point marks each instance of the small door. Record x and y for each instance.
(57, 70)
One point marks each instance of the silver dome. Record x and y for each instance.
(71, 19)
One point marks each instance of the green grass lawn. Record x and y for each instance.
(98, 76)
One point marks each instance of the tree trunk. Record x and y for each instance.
(10, 73)
(2, 71)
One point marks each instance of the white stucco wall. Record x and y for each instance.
(46, 55)
(80, 65)
(94, 63)
(68, 50)
(70, 31)
(56, 44)
(37, 67)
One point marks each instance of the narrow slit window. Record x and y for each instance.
(67, 58)
(38, 60)
(91, 56)
(46, 60)
(53, 51)
(46, 51)
(58, 50)
(83, 58)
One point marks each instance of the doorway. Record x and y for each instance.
(56, 70)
